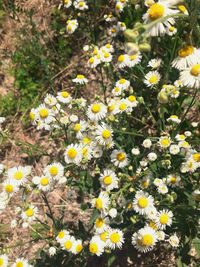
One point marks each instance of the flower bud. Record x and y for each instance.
(162, 98)
(131, 35)
(145, 47)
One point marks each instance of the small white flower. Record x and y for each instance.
(174, 149)
(52, 251)
(174, 240)
(152, 156)
(112, 213)
(147, 143)
(135, 151)
(152, 78)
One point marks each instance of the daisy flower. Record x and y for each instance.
(96, 111)
(123, 84)
(19, 174)
(64, 97)
(94, 61)
(187, 57)
(79, 128)
(163, 219)
(10, 186)
(174, 149)
(67, 3)
(68, 243)
(105, 56)
(154, 63)
(157, 11)
(171, 30)
(173, 180)
(112, 107)
(71, 26)
(180, 137)
(119, 7)
(119, 158)
(101, 202)
(117, 91)
(81, 5)
(21, 262)
(164, 141)
(124, 105)
(42, 182)
(134, 59)
(123, 61)
(96, 246)
(145, 239)
(73, 154)
(62, 236)
(54, 170)
(101, 224)
(132, 101)
(174, 118)
(50, 100)
(162, 189)
(142, 202)
(77, 246)
(190, 77)
(3, 260)
(152, 78)
(108, 180)
(115, 238)
(104, 134)
(44, 114)
(107, 48)
(30, 213)
(80, 79)
(174, 240)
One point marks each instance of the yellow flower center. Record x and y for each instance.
(182, 8)
(18, 175)
(69, 27)
(133, 57)
(98, 204)
(85, 151)
(68, 244)
(91, 60)
(99, 222)
(173, 180)
(147, 240)
(77, 127)
(116, 89)
(165, 142)
(103, 236)
(19, 264)
(81, 4)
(122, 106)
(132, 98)
(121, 156)
(29, 212)
(71, 153)
(61, 234)
(1, 262)
(79, 76)
(145, 184)
(44, 181)
(107, 180)
(196, 157)
(79, 248)
(122, 81)
(186, 51)
(106, 55)
(195, 70)
(65, 94)
(143, 202)
(111, 108)
(153, 79)
(164, 218)
(9, 188)
(86, 140)
(152, 225)
(96, 108)
(43, 113)
(106, 134)
(171, 28)
(114, 238)
(32, 116)
(121, 58)
(53, 170)
(156, 11)
(93, 248)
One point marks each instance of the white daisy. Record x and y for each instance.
(62, 236)
(142, 202)
(102, 202)
(50, 100)
(81, 5)
(3, 260)
(173, 180)
(163, 219)
(174, 240)
(19, 174)
(123, 84)
(96, 111)
(67, 244)
(21, 262)
(64, 97)
(134, 59)
(154, 63)
(108, 180)
(190, 77)
(101, 224)
(174, 149)
(152, 78)
(132, 101)
(10, 186)
(73, 154)
(67, 3)
(117, 91)
(77, 246)
(29, 215)
(119, 158)
(54, 170)
(96, 246)
(174, 118)
(80, 79)
(104, 134)
(123, 61)
(164, 141)
(162, 189)
(94, 61)
(115, 238)
(71, 26)
(44, 114)
(42, 182)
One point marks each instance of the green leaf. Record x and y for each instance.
(180, 263)
(111, 260)
(196, 244)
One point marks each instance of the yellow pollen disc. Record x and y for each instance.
(165, 142)
(196, 157)
(147, 240)
(174, 117)
(114, 238)
(69, 27)
(107, 180)
(171, 28)
(132, 98)
(143, 202)
(44, 181)
(152, 225)
(91, 60)
(182, 8)
(1, 262)
(77, 127)
(186, 51)
(145, 184)
(53, 170)
(18, 175)
(122, 106)
(65, 94)
(122, 81)
(9, 189)
(99, 222)
(121, 156)
(111, 108)
(164, 218)
(43, 113)
(106, 134)
(79, 76)
(195, 70)
(96, 108)
(156, 11)
(93, 248)
(81, 4)
(71, 153)
(103, 236)
(118, 6)
(68, 244)
(116, 89)
(61, 234)
(79, 248)
(173, 180)
(121, 58)
(108, 46)
(85, 151)
(106, 55)
(32, 117)
(29, 212)
(98, 204)
(19, 264)
(86, 140)
(153, 79)
(133, 57)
